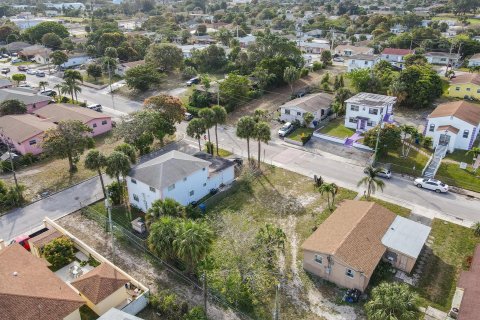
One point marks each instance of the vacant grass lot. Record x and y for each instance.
(415, 160)
(103, 80)
(452, 174)
(336, 128)
(452, 246)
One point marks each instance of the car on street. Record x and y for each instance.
(40, 74)
(22, 68)
(95, 107)
(286, 129)
(195, 80)
(5, 55)
(431, 184)
(5, 70)
(31, 71)
(24, 85)
(16, 60)
(188, 116)
(382, 172)
(48, 92)
(338, 59)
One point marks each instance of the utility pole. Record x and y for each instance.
(276, 312)
(333, 39)
(110, 223)
(110, 81)
(11, 165)
(448, 61)
(205, 295)
(376, 143)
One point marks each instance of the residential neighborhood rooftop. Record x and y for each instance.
(473, 78)
(24, 126)
(396, 51)
(372, 99)
(63, 111)
(469, 281)
(27, 96)
(367, 57)
(463, 110)
(311, 102)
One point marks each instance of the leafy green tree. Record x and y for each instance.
(58, 58)
(143, 77)
(234, 90)
(409, 134)
(168, 106)
(211, 59)
(167, 207)
(118, 164)
(195, 129)
(19, 77)
(394, 301)
(192, 243)
(91, 51)
(261, 133)
(138, 130)
(51, 40)
(43, 84)
(246, 130)
(95, 71)
(128, 150)
(474, 152)
(389, 139)
(36, 33)
(290, 75)
(163, 233)
(371, 181)
(59, 252)
(330, 189)
(275, 67)
(12, 107)
(326, 57)
(364, 81)
(415, 59)
(111, 52)
(308, 118)
(264, 78)
(208, 116)
(68, 140)
(165, 56)
(269, 240)
(220, 117)
(96, 161)
(189, 72)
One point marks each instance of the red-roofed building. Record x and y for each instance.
(395, 56)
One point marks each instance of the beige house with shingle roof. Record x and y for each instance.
(31, 291)
(347, 247)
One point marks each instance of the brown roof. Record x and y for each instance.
(24, 126)
(448, 128)
(45, 238)
(34, 292)
(353, 234)
(470, 282)
(473, 78)
(100, 283)
(463, 110)
(399, 52)
(355, 49)
(133, 63)
(64, 111)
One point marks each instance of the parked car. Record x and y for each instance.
(22, 68)
(195, 80)
(338, 59)
(96, 107)
(5, 55)
(431, 184)
(5, 70)
(382, 172)
(188, 116)
(24, 85)
(286, 129)
(48, 92)
(40, 74)
(16, 60)
(31, 71)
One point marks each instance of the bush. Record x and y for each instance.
(115, 191)
(59, 252)
(325, 86)
(28, 159)
(196, 313)
(210, 147)
(193, 110)
(199, 99)
(427, 142)
(168, 306)
(304, 72)
(193, 212)
(305, 137)
(317, 66)
(65, 100)
(189, 72)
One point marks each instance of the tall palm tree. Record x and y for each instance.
(96, 161)
(118, 164)
(167, 207)
(58, 86)
(330, 189)
(393, 301)
(245, 130)
(195, 129)
(262, 134)
(371, 181)
(208, 116)
(65, 89)
(192, 242)
(72, 77)
(43, 84)
(162, 234)
(220, 118)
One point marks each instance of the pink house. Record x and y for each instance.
(32, 100)
(97, 121)
(24, 132)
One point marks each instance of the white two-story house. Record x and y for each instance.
(366, 110)
(317, 104)
(454, 124)
(179, 176)
(395, 56)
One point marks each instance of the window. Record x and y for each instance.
(465, 133)
(352, 120)
(443, 59)
(354, 108)
(370, 123)
(104, 122)
(205, 184)
(170, 188)
(432, 128)
(373, 111)
(299, 113)
(135, 197)
(32, 142)
(366, 63)
(468, 89)
(94, 125)
(287, 111)
(152, 189)
(203, 169)
(318, 258)
(185, 179)
(349, 273)
(388, 57)
(457, 88)
(192, 193)
(133, 181)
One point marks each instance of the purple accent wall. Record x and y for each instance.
(472, 138)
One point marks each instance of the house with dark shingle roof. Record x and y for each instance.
(317, 104)
(347, 247)
(29, 290)
(454, 124)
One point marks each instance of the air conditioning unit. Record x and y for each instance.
(454, 313)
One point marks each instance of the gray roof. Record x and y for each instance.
(366, 57)
(5, 83)
(406, 236)
(16, 46)
(115, 314)
(372, 99)
(311, 102)
(167, 169)
(26, 96)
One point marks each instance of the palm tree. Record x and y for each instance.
(208, 116)
(167, 207)
(65, 89)
(162, 234)
(195, 129)
(96, 161)
(474, 152)
(262, 134)
(371, 181)
(71, 78)
(128, 150)
(118, 164)
(192, 242)
(220, 118)
(330, 189)
(393, 301)
(408, 133)
(58, 86)
(43, 84)
(476, 228)
(245, 130)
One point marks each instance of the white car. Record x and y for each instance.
(286, 129)
(382, 172)
(96, 107)
(431, 184)
(31, 71)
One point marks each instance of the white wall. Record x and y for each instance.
(75, 61)
(456, 141)
(297, 114)
(474, 63)
(363, 111)
(359, 64)
(143, 192)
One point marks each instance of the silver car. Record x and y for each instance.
(382, 172)
(286, 129)
(431, 184)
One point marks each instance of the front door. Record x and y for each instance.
(444, 140)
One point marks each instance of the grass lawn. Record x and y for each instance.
(459, 156)
(452, 246)
(100, 80)
(221, 152)
(472, 21)
(452, 174)
(23, 63)
(119, 214)
(395, 208)
(406, 165)
(297, 134)
(337, 129)
(279, 197)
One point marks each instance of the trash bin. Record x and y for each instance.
(202, 207)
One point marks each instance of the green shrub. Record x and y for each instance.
(317, 66)
(115, 191)
(193, 212)
(59, 252)
(196, 313)
(305, 137)
(168, 306)
(193, 110)
(28, 159)
(427, 142)
(304, 72)
(189, 72)
(210, 147)
(199, 99)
